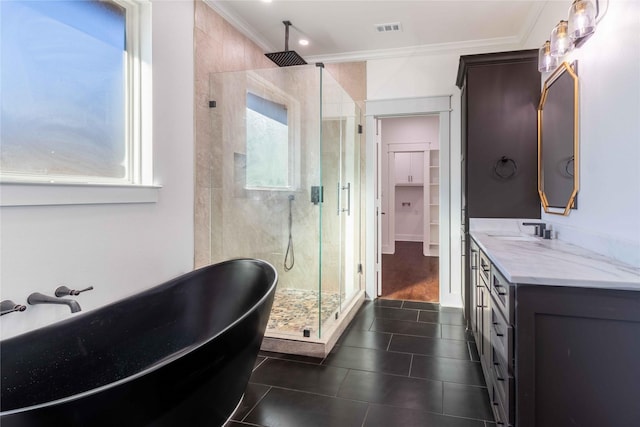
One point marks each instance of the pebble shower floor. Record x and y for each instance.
(295, 310)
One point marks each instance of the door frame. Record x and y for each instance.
(441, 105)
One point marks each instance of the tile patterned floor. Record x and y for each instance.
(400, 363)
(297, 309)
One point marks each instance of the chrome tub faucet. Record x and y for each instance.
(38, 298)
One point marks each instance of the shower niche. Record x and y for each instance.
(286, 188)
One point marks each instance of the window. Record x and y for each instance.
(272, 136)
(267, 143)
(72, 91)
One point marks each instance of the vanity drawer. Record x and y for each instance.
(502, 381)
(484, 266)
(504, 295)
(502, 338)
(499, 409)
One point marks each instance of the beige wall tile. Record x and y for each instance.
(352, 76)
(232, 49)
(202, 222)
(224, 216)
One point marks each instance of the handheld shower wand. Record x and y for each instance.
(289, 258)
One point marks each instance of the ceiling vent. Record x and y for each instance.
(393, 27)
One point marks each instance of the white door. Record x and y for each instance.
(382, 219)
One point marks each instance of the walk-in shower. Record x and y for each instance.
(286, 169)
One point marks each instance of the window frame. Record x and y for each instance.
(23, 189)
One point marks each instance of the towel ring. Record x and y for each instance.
(569, 171)
(505, 167)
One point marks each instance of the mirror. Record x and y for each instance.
(558, 141)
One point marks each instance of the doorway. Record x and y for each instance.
(410, 198)
(449, 293)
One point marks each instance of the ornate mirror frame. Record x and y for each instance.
(558, 209)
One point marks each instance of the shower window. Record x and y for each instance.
(71, 88)
(271, 129)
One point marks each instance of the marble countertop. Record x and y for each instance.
(525, 259)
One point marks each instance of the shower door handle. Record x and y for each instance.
(348, 199)
(348, 188)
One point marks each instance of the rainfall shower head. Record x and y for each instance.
(287, 57)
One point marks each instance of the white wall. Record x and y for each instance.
(419, 76)
(406, 130)
(608, 216)
(119, 249)
(409, 213)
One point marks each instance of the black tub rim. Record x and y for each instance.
(167, 360)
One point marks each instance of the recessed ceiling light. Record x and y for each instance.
(303, 42)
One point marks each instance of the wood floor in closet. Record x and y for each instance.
(409, 275)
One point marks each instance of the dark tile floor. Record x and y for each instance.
(400, 363)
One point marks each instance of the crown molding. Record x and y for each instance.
(511, 42)
(530, 22)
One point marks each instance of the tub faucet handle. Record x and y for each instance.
(63, 291)
(7, 306)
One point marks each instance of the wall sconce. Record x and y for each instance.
(583, 16)
(561, 44)
(546, 62)
(582, 19)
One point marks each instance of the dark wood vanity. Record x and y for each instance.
(557, 327)
(500, 96)
(556, 356)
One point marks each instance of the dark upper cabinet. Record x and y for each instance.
(500, 95)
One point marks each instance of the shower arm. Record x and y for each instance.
(287, 24)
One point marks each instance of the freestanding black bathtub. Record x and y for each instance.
(175, 355)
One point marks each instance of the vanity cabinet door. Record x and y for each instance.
(577, 357)
(486, 333)
(483, 319)
(501, 92)
(473, 281)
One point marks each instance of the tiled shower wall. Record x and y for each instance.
(219, 48)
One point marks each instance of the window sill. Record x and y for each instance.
(48, 194)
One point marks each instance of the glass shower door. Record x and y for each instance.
(284, 164)
(340, 222)
(264, 162)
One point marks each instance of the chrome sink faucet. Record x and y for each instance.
(38, 298)
(541, 227)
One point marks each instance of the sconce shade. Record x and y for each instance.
(560, 41)
(582, 19)
(546, 62)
